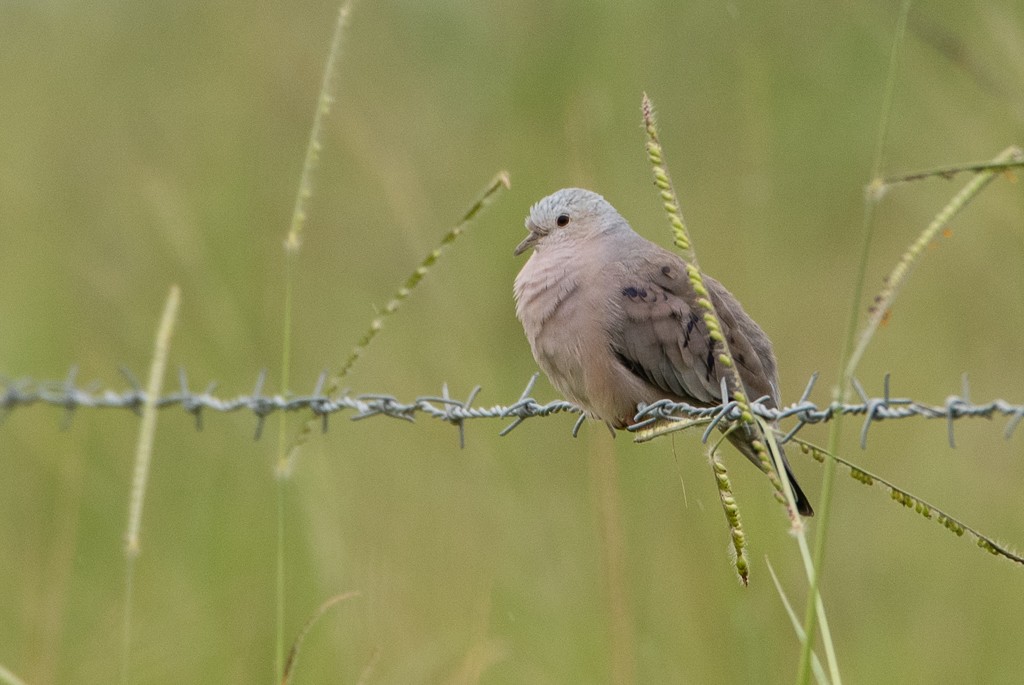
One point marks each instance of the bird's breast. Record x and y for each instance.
(565, 312)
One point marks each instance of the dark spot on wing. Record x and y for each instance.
(741, 359)
(710, 361)
(689, 329)
(650, 294)
(634, 293)
(667, 271)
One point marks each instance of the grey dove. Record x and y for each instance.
(612, 319)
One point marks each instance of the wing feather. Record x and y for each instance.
(660, 335)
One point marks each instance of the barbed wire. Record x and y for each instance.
(69, 396)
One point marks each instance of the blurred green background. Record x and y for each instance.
(145, 144)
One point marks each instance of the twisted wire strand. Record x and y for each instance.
(67, 394)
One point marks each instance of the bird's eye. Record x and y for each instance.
(562, 219)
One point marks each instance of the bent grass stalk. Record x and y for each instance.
(683, 242)
(911, 501)
(293, 653)
(292, 245)
(287, 455)
(293, 241)
(143, 458)
(949, 172)
(1009, 158)
(500, 181)
(898, 494)
(681, 238)
(841, 390)
(732, 516)
(805, 554)
(819, 672)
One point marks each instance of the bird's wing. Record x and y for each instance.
(660, 336)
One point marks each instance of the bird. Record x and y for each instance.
(613, 320)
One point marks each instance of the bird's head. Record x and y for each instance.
(566, 215)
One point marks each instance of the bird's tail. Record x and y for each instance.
(740, 440)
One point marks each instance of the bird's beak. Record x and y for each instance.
(530, 240)
(527, 243)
